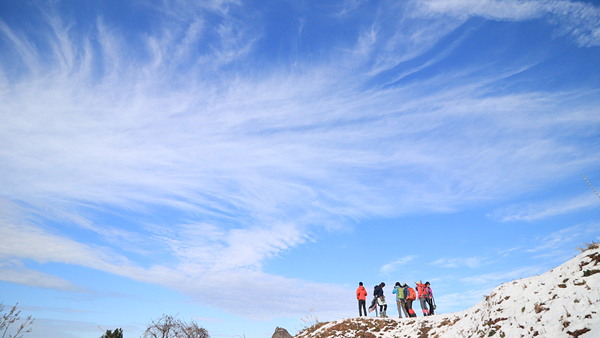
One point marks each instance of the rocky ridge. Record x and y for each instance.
(563, 302)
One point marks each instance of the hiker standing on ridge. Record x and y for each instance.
(410, 296)
(381, 300)
(429, 298)
(422, 294)
(400, 299)
(361, 295)
(373, 306)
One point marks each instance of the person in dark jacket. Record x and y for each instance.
(380, 297)
(429, 298)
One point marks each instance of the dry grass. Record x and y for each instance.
(360, 328)
(589, 246)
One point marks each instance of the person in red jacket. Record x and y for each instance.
(361, 295)
(423, 295)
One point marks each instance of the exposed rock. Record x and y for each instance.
(281, 333)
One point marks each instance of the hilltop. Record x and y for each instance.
(563, 302)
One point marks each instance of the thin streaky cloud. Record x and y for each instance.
(513, 10)
(530, 212)
(203, 166)
(470, 262)
(28, 277)
(167, 160)
(561, 242)
(393, 266)
(580, 20)
(501, 277)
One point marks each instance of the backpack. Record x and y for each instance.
(411, 294)
(399, 293)
(426, 292)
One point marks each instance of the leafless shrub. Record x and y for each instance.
(589, 246)
(11, 317)
(171, 327)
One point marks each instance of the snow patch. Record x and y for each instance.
(563, 302)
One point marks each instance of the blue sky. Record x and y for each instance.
(245, 164)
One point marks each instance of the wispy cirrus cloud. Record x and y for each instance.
(221, 268)
(561, 242)
(470, 262)
(502, 277)
(19, 275)
(529, 212)
(246, 164)
(393, 266)
(580, 20)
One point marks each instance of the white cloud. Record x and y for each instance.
(580, 20)
(91, 141)
(20, 275)
(470, 262)
(247, 165)
(393, 266)
(540, 210)
(562, 242)
(492, 279)
(223, 270)
(493, 9)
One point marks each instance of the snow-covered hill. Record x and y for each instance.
(563, 302)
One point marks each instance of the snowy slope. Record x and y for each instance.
(563, 302)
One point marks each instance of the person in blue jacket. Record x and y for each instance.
(400, 293)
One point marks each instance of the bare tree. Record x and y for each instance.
(11, 317)
(171, 327)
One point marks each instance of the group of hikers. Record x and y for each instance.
(405, 295)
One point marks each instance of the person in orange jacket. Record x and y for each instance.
(423, 295)
(361, 295)
(411, 295)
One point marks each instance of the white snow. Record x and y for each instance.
(563, 302)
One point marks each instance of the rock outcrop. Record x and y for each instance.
(281, 333)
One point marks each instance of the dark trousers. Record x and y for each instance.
(362, 307)
(430, 303)
(409, 308)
